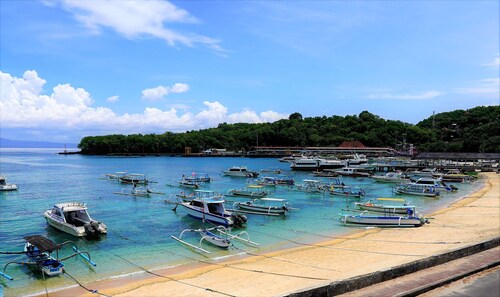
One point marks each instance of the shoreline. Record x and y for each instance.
(285, 271)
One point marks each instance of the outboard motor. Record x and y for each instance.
(238, 220)
(92, 229)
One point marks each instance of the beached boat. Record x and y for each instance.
(346, 191)
(134, 178)
(254, 191)
(4, 186)
(72, 218)
(263, 206)
(402, 208)
(352, 172)
(206, 206)
(391, 177)
(417, 190)
(411, 219)
(218, 236)
(240, 171)
(38, 251)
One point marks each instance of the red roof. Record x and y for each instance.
(352, 144)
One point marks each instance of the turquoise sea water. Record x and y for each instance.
(140, 228)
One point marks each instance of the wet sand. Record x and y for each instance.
(470, 220)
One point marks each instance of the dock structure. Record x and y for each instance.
(281, 151)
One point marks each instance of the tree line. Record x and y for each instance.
(472, 130)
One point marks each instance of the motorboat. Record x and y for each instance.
(316, 164)
(391, 177)
(417, 190)
(267, 181)
(263, 206)
(454, 175)
(38, 250)
(72, 218)
(325, 173)
(436, 183)
(4, 186)
(188, 183)
(352, 172)
(206, 206)
(254, 191)
(402, 208)
(425, 172)
(136, 191)
(240, 171)
(410, 219)
(285, 180)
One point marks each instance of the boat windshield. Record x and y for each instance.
(77, 217)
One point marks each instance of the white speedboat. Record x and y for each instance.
(391, 177)
(211, 208)
(417, 190)
(411, 219)
(352, 172)
(4, 186)
(436, 183)
(315, 164)
(240, 171)
(72, 218)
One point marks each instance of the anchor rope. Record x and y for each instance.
(84, 287)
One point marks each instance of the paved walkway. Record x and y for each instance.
(433, 277)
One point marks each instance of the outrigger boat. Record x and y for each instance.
(310, 186)
(417, 190)
(347, 191)
(383, 208)
(411, 219)
(72, 218)
(116, 176)
(137, 191)
(391, 177)
(453, 175)
(250, 191)
(241, 171)
(257, 206)
(134, 178)
(187, 183)
(221, 240)
(38, 249)
(198, 177)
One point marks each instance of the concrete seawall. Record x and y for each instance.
(358, 282)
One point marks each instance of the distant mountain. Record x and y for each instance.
(8, 143)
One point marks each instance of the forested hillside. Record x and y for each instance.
(473, 130)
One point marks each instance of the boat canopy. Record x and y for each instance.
(42, 243)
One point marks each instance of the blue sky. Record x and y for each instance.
(69, 69)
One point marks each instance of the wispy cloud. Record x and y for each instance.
(484, 86)
(160, 92)
(495, 62)
(113, 99)
(22, 105)
(134, 19)
(423, 96)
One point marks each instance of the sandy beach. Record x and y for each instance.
(470, 220)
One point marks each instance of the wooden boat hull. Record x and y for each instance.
(247, 194)
(262, 209)
(382, 208)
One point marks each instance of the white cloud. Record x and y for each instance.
(495, 62)
(113, 99)
(67, 109)
(422, 96)
(160, 92)
(484, 86)
(135, 19)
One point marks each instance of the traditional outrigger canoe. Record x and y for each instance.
(221, 240)
(417, 190)
(254, 191)
(38, 249)
(403, 208)
(411, 219)
(258, 206)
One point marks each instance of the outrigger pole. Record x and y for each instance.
(87, 258)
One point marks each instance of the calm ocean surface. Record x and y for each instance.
(140, 228)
